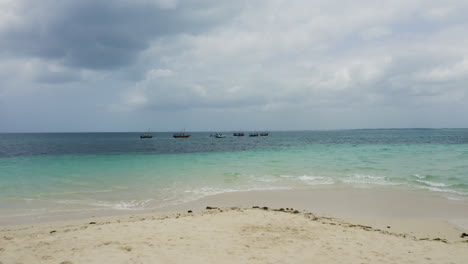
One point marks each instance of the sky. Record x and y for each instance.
(223, 65)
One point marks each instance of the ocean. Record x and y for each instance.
(45, 173)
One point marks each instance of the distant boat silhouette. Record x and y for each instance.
(253, 135)
(264, 134)
(239, 134)
(181, 135)
(146, 135)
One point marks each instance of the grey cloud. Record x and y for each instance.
(57, 77)
(99, 34)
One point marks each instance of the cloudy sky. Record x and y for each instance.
(211, 65)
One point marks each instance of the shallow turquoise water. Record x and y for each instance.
(121, 172)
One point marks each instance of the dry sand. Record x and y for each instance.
(417, 213)
(221, 236)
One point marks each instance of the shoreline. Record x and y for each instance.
(419, 213)
(413, 212)
(336, 200)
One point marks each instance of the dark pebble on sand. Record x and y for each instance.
(265, 208)
(256, 207)
(53, 231)
(463, 235)
(440, 239)
(92, 223)
(296, 212)
(211, 207)
(189, 211)
(388, 226)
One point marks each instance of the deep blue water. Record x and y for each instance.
(20, 144)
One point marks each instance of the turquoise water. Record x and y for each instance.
(122, 172)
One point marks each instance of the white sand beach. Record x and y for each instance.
(244, 235)
(221, 236)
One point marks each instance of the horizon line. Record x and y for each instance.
(246, 130)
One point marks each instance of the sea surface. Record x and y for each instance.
(62, 172)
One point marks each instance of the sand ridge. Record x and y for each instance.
(221, 235)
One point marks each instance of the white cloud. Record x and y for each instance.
(158, 73)
(288, 54)
(446, 73)
(8, 14)
(376, 33)
(165, 4)
(438, 13)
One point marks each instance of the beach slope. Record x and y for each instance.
(228, 235)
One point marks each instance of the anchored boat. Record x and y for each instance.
(181, 135)
(147, 135)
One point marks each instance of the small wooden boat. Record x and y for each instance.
(181, 135)
(218, 135)
(147, 135)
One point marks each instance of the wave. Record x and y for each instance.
(433, 184)
(118, 205)
(443, 190)
(369, 179)
(124, 205)
(206, 191)
(313, 180)
(419, 176)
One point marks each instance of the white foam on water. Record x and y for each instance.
(264, 178)
(124, 205)
(438, 189)
(316, 180)
(368, 179)
(433, 184)
(442, 188)
(198, 193)
(291, 179)
(419, 176)
(131, 205)
(206, 191)
(457, 198)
